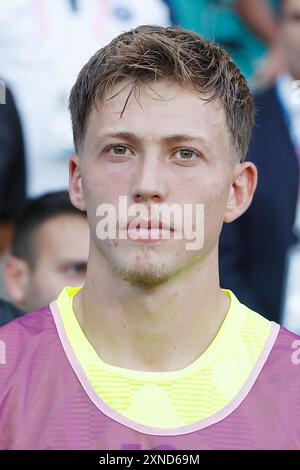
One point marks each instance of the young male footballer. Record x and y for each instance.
(151, 353)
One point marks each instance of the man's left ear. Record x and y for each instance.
(241, 192)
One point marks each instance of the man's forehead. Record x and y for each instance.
(181, 112)
(162, 92)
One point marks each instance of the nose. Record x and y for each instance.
(149, 185)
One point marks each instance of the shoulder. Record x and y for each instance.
(279, 348)
(31, 322)
(288, 344)
(23, 336)
(282, 368)
(279, 381)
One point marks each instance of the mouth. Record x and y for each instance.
(150, 230)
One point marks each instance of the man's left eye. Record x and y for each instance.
(186, 154)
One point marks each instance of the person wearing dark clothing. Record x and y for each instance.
(253, 248)
(12, 166)
(256, 249)
(8, 312)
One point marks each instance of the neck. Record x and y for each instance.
(154, 329)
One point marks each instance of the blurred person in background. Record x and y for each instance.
(43, 45)
(247, 29)
(256, 249)
(8, 312)
(49, 250)
(260, 40)
(12, 165)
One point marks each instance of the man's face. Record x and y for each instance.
(142, 156)
(61, 246)
(290, 35)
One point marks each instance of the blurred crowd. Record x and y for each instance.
(44, 239)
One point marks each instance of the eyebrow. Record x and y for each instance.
(82, 264)
(129, 136)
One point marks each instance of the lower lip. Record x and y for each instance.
(149, 235)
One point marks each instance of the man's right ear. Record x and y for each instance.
(75, 183)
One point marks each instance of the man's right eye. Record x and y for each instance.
(118, 150)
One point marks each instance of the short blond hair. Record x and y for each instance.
(149, 53)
